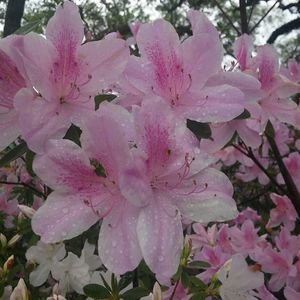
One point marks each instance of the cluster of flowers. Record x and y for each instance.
(138, 168)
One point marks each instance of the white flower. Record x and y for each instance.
(20, 291)
(90, 258)
(238, 280)
(46, 255)
(72, 274)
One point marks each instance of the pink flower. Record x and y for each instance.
(245, 239)
(279, 264)
(152, 173)
(178, 72)
(64, 74)
(284, 212)
(11, 81)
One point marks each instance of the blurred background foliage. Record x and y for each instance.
(269, 20)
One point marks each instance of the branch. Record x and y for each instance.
(226, 16)
(26, 185)
(290, 5)
(13, 16)
(292, 191)
(263, 17)
(243, 16)
(284, 29)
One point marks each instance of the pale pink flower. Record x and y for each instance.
(238, 280)
(178, 72)
(11, 81)
(153, 170)
(64, 74)
(284, 212)
(291, 294)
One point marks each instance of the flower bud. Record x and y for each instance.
(20, 292)
(8, 264)
(27, 211)
(14, 240)
(3, 240)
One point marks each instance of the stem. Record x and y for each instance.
(175, 288)
(243, 16)
(251, 155)
(37, 192)
(226, 16)
(263, 17)
(292, 191)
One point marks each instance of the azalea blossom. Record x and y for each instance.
(47, 256)
(64, 74)
(238, 281)
(11, 81)
(145, 175)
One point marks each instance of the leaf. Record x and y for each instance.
(200, 130)
(29, 157)
(125, 280)
(96, 291)
(199, 296)
(105, 97)
(135, 293)
(73, 134)
(244, 115)
(269, 131)
(197, 264)
(178, 273)
(185, 280)
(198, 283)
(28, 27)
(13, 154)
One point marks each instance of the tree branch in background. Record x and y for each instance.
(263, 17)
(292, 191)
(13, 16)
(227, 17)
(284, 29)
(243, 16)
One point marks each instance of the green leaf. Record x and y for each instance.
(105, 283)
(28, 27)
(135, 293)
(197, 264)
(96, 291)
(1, 289)
(178, 273)
(13, 154)
(105, 97)
(29, 157)
(199, 296)
(125, 280)
(185, 280)
(198, 283)
(200, 130)
(73, 134)
(270, 130)
(244, 115)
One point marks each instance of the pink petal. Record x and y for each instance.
(215, 104)
(118, 243)
(103, 63)
(159, 45)
(268, 64)
(65, 167)
(206, 197)
(9, 128)
(41, 120)
(160, 237)
(200, 23)
(61, 217)
(65, 28)
(243, 47)
(106, 137)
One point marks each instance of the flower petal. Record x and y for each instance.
(118, 244)
(160, 237)
(62, 217)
